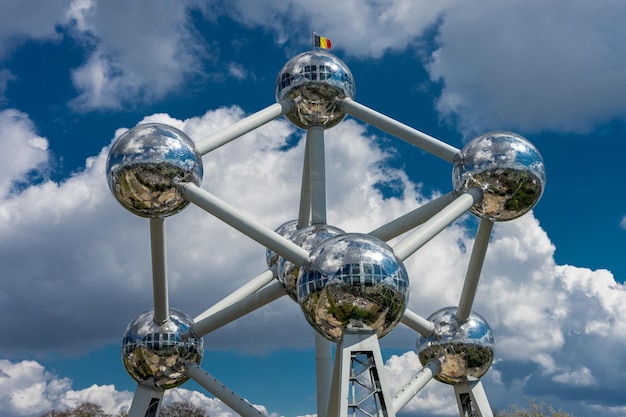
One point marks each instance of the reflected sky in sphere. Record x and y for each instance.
(509, 170)
(144, 164)
(312, 81)
(353, 280)
(160, 351)
(465, 350)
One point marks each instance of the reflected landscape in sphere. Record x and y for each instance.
(159, 351)
(312, 81)
(353, 280)
(307, 238)
(144, 164)
(509, 170)
(465, 349)
(286, 230)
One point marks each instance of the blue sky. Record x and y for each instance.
(75, 265)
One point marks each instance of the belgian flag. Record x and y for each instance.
(321, 42)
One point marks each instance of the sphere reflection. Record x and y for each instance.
(286, 230)
(160, 351)
(144, 164)
(307, 238)
(465, 350)
(353, 280)
(508, 169)
(312, 81)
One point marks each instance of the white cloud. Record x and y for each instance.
(622, 223)
(143, 50)
(25, 21)
(363, 29)
(30, 390)
(26, 152)
(531, 65)
(581, 376)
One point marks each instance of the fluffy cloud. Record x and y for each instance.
(531, 66)
(565, 76)
(141, 51)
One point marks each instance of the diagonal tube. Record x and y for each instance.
(238, 309)
(481, 243)
(399, 130)
(254, 230)
(437, 223)
(418, 323)
(415, 385)
(238, 404)
(243, 126)
(412, 219)
(247, 289)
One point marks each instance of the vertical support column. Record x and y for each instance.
(316, 160)
(304, 215)
(146, 402)
(323, 372)
(317, 164)
(472, 400)
(359, 380)
(159, 271)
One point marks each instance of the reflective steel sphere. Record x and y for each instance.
(307, 238)
(143, 165)
(312, 80)
(353, 280)
(159, 351)
(286, 229)
(509, 170)
(465, 349)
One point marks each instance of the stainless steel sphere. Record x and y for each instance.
(160, 351)
(353, 280)
(144, 164)
(509, 170)
(307, 238)
(312, 81)
(465, 349)
(286, 230)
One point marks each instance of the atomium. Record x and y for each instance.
(159, 353)
(352, 288)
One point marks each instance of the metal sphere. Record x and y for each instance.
(312, 81)
(307, 238)
(160, 351)
(509, 170)
(286, 230)
(353, 280)
(465, 350)
(144, 165)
